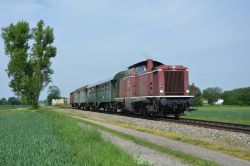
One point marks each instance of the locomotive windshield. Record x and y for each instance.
(140, 69)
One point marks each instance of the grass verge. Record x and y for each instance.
(185, 157)
(224, 147)
(49, 138)
(217, 146)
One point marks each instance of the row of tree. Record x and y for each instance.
(10, 101)
(239, 96)
(53, 93)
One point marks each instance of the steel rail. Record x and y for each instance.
(241, 128)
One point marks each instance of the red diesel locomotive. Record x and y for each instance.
(147, 87)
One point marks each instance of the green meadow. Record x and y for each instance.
(44, 137)
(231, 114)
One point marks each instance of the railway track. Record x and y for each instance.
(241, 128)
(235, 127)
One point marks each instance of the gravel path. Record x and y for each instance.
(217, 157)
(140, 153)
(143, 154)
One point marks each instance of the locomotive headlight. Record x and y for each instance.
(187, 91)
(161, 89)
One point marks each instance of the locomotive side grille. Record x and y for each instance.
(174, 82)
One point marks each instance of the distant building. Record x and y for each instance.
(58, 102)
(205, 101)
(219, 102)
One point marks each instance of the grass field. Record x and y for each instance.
(231, 114)
(48, 138)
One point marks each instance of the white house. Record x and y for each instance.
(219, 102)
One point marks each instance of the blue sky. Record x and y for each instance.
(97, 38)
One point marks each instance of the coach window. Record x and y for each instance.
(108, 86)
(92, 90)
(103, 88)
(140, 69)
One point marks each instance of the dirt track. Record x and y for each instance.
(142, 153)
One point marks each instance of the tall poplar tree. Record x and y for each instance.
(30, 52)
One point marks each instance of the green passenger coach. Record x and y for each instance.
(100, 95)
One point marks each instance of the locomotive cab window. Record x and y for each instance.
(140, 69)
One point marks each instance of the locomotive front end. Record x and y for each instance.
(173, 89)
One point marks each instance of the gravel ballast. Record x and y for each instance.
(233, 138)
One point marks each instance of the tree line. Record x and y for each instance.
(10, 101)
(53, 93)
(240, 96)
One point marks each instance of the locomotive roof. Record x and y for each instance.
(155, 63)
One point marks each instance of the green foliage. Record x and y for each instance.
(3, 101)
(53, 93)
(47, 138)
(13, 101)
(212, 94)
(29, 67)
(10, 101)
(197, 100)
(239, 96)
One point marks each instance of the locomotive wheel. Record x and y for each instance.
(143, 110)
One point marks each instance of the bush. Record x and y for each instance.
(239, 96)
